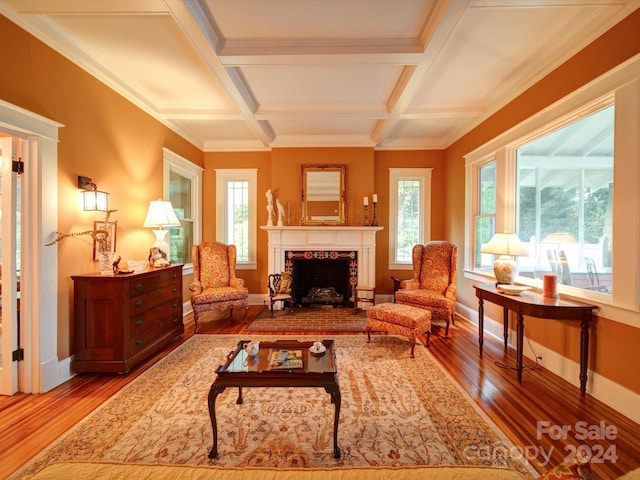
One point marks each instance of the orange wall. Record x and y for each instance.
(104, 137)
(612, 342)
(281, 171)
(406, 159)
(367, 173)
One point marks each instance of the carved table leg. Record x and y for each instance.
(213, 394)
(480, 323)
(505, 326)
(584, 353)
(336, 399)
(239, 400)
(519, 345)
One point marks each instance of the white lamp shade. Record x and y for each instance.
(160, 215)
(505, 244)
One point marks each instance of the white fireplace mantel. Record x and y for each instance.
(322, 238)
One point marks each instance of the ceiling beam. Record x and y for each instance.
(195, 24)
(443, 20)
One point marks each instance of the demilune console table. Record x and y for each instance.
(535, 305)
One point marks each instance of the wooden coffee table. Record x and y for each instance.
(241, 370)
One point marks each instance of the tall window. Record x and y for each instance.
(181, 237)
(236, 218)
(485, 224)
(182, 184)
(409, 213)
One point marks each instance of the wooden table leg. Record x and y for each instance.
(480, 323)
(519, 345)
(505, 323)
(336, 399)
(213, 394)
(239, 400)
(584, 352)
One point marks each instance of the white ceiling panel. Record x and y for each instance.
(492, 49)
(253, 74)
(348, 85)
(161, 60)
(319, 19)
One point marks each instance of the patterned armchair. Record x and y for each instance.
(215, 285)
(433, 286)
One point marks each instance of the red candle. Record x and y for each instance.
(550, 285)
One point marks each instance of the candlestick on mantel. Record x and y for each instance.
(366, 201)
(374, 221)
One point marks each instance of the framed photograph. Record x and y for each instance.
(110, 228)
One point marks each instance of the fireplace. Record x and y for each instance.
(357, 243)
(322, 277)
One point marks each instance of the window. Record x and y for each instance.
(486, 216)
(565, 202)
(236, 218)
(555, 175)
(183, 180)
(409, 213)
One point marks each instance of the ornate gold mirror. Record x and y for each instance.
(323, 194)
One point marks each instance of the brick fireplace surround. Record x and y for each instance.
(361, 240)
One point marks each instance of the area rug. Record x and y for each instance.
(310, 319)
(396, 411)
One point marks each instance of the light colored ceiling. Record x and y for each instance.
(255, 74)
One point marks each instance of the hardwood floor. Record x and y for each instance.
(29, 423)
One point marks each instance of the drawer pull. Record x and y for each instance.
(174, 305)
(139, 322)
(138, 286)
(176, 320)
(174, 276)
(174, 290)
(139, 303)
(139, 341)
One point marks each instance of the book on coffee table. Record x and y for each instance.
(285, 359)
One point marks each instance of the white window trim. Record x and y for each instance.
(224, 175)
(395, 174)
(172, 162)
(623, 83)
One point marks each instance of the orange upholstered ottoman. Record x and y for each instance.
(398, 319)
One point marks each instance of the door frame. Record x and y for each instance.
(40, 371)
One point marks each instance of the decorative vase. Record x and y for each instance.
(106, 262)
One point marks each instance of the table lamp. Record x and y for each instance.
(505, 246)
(159, 216)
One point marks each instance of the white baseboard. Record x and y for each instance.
(612, 394)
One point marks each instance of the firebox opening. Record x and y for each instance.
(322, 282)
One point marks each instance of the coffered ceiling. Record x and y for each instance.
(255, 74)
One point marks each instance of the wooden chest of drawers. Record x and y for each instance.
(120, 320)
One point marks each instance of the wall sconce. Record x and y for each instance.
(92, 199)
(159, 216)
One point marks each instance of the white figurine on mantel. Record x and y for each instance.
(269, 196)
(280, 211)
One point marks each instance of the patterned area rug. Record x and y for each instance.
(396, 411)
